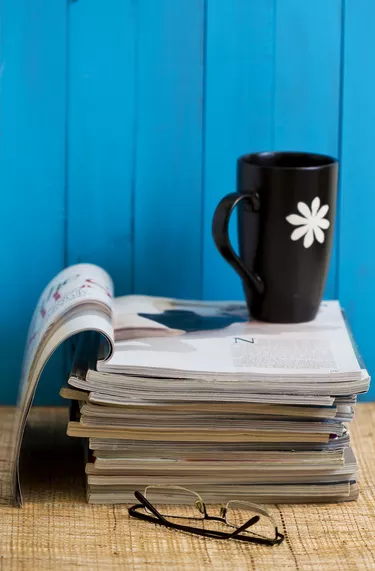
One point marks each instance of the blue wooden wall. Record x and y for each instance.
(120, 124)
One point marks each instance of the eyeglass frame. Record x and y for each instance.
(159, 519)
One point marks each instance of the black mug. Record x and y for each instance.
(286, 213)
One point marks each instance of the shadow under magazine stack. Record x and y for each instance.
(249, 411)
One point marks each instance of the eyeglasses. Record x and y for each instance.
(163, 505)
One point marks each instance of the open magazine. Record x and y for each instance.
(140, 336)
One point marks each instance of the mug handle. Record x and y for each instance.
(220, 226)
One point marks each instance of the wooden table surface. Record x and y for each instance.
(57, 529)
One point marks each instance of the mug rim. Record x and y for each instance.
(322, 160)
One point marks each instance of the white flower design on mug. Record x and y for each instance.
(311, 224)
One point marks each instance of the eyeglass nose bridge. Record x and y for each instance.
(223, 511)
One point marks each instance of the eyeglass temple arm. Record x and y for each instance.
(245, 526)
(279, 537)
(140, 497)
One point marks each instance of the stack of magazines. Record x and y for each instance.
(182, 393)
(228, 408)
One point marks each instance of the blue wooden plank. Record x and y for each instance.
(168, 142)
(307, 83)
(32, 119)
(102, 51)
(238, 114)
(357, 238)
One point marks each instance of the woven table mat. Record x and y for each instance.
(56, 529)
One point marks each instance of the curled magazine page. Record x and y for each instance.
(78, 299)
